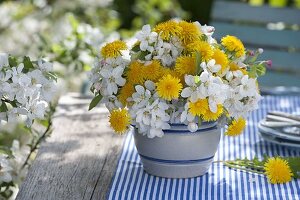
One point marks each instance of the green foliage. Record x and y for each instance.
(198, 62)
(294, 163)
(95, 101)
(257, 70)
(257, 166)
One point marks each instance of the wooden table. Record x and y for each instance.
(79, 159)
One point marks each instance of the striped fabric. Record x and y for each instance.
(131, 182)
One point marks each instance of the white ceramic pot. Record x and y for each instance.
(179, 153)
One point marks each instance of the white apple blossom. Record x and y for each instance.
(5, 169)
(29, 90)
(211, 66)
(213, 88)
(141, 96)
(248, 86)
(208, 31)
(111, 102)
(192, 91)
(3, 60)
(192, 127)
(113, 79)
(146, 38)
(186, 117)
(167, 52)
(45, 66)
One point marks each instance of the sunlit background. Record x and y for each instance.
(69, 33)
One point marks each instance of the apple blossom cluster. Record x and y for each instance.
(12, 169)
(26, 88)
(176, 73)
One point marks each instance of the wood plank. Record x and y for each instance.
(239, 11)
(78, 160)
(282, 60)
(274, 79)
(259, 37)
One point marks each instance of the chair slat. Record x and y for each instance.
(283, 61)
(273, 79)
(258, 36)
(238, 11)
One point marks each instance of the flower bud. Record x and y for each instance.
(193, 127)
(260, 50)
(269, 63)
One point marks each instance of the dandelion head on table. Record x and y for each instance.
(278, 170)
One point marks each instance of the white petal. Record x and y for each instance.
(186, 92)
(105, 73)
(117, 72)
(150, 85)
(144, 45)
(121, 81)
(204, 76)
(190, 117)
(194, 97)
(189, 80)
(212, 105)
(140, 89)
(146, 28)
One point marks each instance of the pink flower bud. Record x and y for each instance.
(251, 53)
(269, 63)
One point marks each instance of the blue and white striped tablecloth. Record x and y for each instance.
(131, 182)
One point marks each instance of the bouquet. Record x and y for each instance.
(174, 73)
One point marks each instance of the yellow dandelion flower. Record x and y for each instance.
(169, 87)
(233, 44)
(113, 49)
(233, 67)
(168, 71)
(278, 170)
(189, 32)
(153, 70)
(185, 65)
(221, 58)
(119, 120)
(125, 92)
(136, 73)
(168, 29)
(236, 127)
(203, 48)
(210, 116)
(200, 107)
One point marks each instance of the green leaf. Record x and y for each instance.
(45, 123)
(199, 121)
(73, 21)
(58, 49)
(257, 70)
(5, 150)
(204, 37)
(260, 70)
(294, 163)
(95, 101)
(12, 61)
(27, 63)
(52, 76)
(3, 107)
(135, 48)
(198, 62)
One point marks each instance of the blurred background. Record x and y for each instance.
(71, 33)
